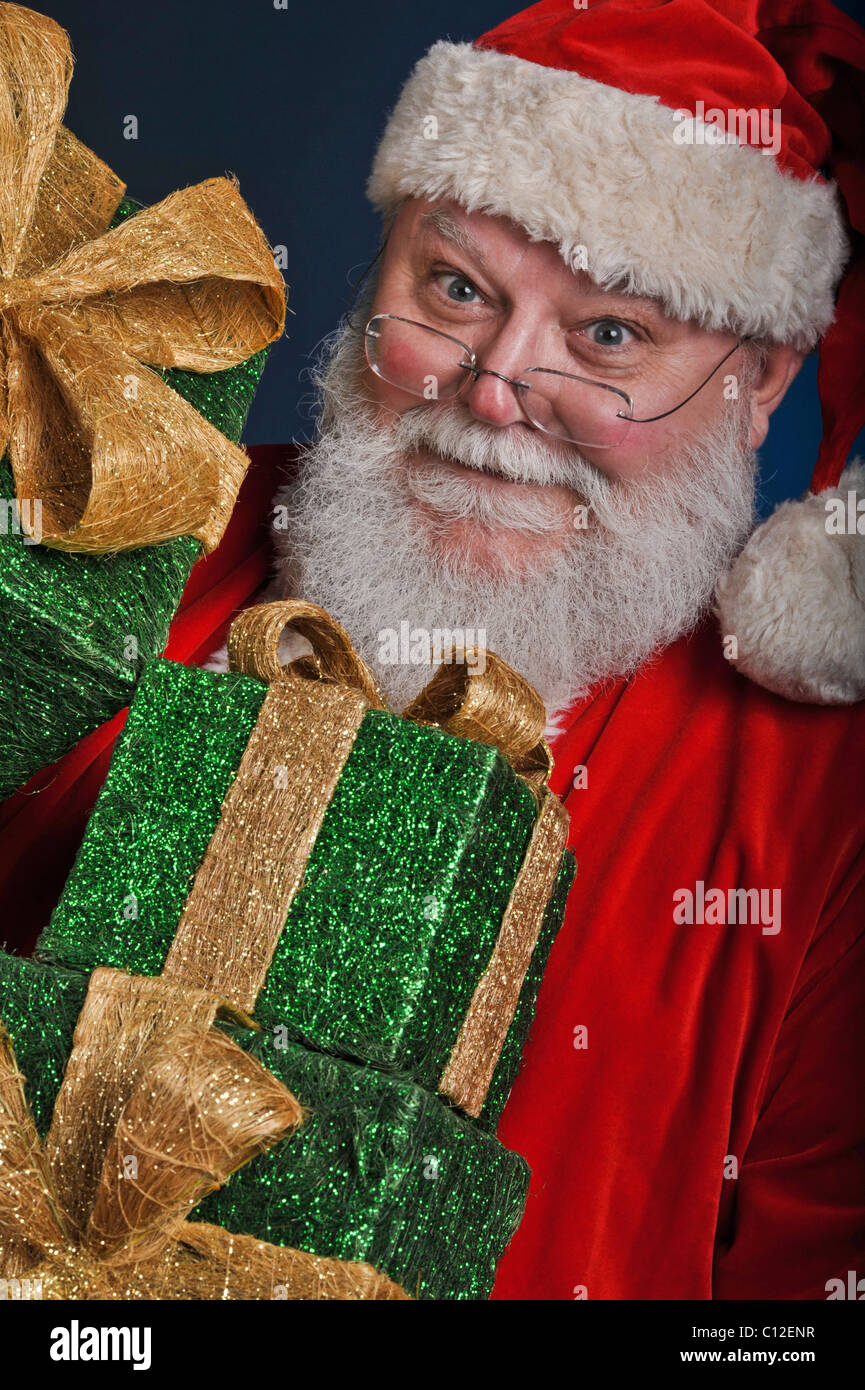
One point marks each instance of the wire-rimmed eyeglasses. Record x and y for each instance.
(435, 366)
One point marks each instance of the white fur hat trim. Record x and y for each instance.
(719, 233)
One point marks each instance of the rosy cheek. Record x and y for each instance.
(644, 445)
(401, 362)
(650, 445)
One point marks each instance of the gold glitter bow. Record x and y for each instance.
(118, 458)
(156, 1109)
(274, 808)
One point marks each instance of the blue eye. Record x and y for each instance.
(610, 333)
(458, 288)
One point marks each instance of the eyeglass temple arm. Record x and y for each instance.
(357, 288)
(650, 419)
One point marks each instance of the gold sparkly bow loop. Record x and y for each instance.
(117, 459)
(477, 695)
(253, 647)
(155, 1110)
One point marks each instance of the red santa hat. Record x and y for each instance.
(710, 154)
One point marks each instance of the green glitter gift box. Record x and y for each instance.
(381, 1170)
(403, 894)
(77, 629)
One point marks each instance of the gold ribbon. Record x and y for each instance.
(467, 1076)
(271, 815)
(118, 459)
(156, 1109)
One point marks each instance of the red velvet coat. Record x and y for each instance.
(692, 1101)
(711, 1049)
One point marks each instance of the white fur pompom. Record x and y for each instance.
(795, 598)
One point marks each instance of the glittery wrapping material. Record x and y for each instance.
(300, 803)
(66, 659)
(156, 1108)
(39, 1005)
(381, 1171)
(150, 1079)
(512, 1051)
(116, 459)
(209, 1263)
(404, 891)
(256, 859)
(76, 199)
(96, 363)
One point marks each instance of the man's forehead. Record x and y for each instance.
(478, 234)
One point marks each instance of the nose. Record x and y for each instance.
(492, 397)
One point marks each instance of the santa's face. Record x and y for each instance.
(514, 302)
(455, 512)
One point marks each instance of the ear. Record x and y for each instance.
(779, 366)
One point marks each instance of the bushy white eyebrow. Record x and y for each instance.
(441, 221)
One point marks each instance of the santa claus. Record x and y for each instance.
(612, 231)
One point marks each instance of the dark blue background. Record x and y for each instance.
(293, 101)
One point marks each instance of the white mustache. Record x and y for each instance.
(451, 498)
(520, 455)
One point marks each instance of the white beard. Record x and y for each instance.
(640, 575)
